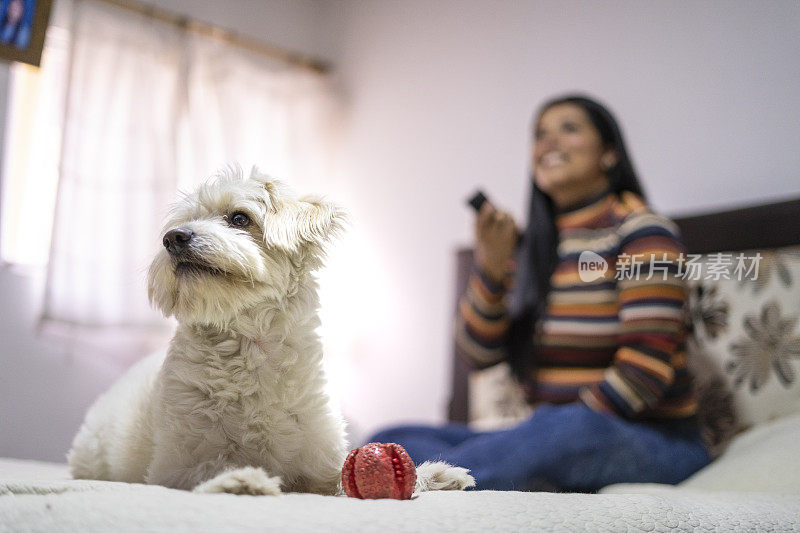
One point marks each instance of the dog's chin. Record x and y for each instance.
(184, 269)
(204, 294)
(197, 290)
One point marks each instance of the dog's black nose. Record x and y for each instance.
(175, 240)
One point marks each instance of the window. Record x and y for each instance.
(127, 111)
(31, 153)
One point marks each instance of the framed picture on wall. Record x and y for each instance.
(22, 27)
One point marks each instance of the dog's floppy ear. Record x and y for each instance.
(309, 221)
(318, 220)
(293, 223)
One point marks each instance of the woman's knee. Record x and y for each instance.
(392, 434)
(449, 433)
(573, 418)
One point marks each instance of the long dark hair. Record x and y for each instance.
(536, 255)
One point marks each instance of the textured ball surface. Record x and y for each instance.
(379, 470)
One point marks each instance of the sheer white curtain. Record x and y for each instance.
(150, 109)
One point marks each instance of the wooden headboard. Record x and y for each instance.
(763, 226)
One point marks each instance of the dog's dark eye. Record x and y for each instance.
(239, 219)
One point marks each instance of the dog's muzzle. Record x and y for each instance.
(176, 240)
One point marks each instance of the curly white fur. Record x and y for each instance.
(237, 404)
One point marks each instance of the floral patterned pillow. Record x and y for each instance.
(744, 345)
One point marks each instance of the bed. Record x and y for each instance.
(40, 497)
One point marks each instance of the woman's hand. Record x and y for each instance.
(495, 239)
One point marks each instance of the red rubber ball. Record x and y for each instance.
(379, 470)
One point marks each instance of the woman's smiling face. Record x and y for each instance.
(568, 154)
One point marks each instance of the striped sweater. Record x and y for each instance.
(616, 342)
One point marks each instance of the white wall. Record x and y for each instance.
(46, 388)
(440, 97)
(293, 24)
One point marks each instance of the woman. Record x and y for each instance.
(598, 352)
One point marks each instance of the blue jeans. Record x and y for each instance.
(561, 447)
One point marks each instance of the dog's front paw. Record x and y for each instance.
(247, 480)
(442, 476)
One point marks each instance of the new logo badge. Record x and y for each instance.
(591, 266)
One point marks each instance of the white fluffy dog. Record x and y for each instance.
(238, 404)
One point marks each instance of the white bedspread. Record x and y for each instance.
(40, 497)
